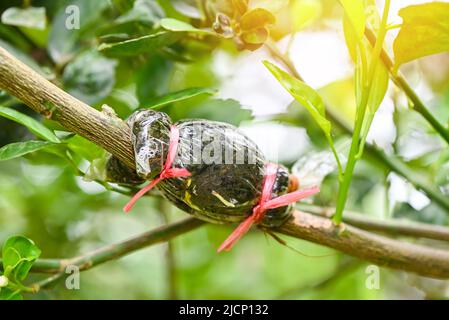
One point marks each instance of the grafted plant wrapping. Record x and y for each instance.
(227, 168)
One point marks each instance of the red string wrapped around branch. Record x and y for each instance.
(265, 203)
(167, 170)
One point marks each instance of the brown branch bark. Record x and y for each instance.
(394, 227)
(113, 135)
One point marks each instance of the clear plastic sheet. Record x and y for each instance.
(227, 168)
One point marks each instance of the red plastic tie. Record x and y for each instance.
(265, 203)
(167, 171)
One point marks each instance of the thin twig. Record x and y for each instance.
(395, 227)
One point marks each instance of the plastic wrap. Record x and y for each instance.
(227, 168)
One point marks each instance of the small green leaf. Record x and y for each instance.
(424, 31)
(305, 12)
(270, 5)
(136, 46)
(355, 12)
(32, 17)
(305, 95)
(181, 95)
(352, 43)
(18, 149)
(33, 125)
(85, 148)
(19, 254)
(174, 25)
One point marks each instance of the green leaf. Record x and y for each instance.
(378, 90)
(4, 281)
(8, 294)
(181, 95)
(19, 254)
(85, 148)
(352, 43)
(270, 5)
(175, 25)
(136, 46)
(90, 77)
(71, 26)
(255, 36)
(355, 12)
(305, 12)
(33, 125)
(424, 31)
(304, 94)
(153, 79)
(144, 11)
(379, 87)
(18, 149)
(31, 17)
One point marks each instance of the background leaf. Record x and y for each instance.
(8, 294)
(424, 31)
(85, 148)
(18, 149)
(64, 41)
(143, 11)
(19, 254)
(90, 77)
(136, 46)
(355, 12)
(31, 17)
(177, 96)
(175, 25)
(33, 125)
(304, 94)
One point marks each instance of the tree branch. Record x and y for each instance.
(112, 134)
(367, 246)
(118, 250)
